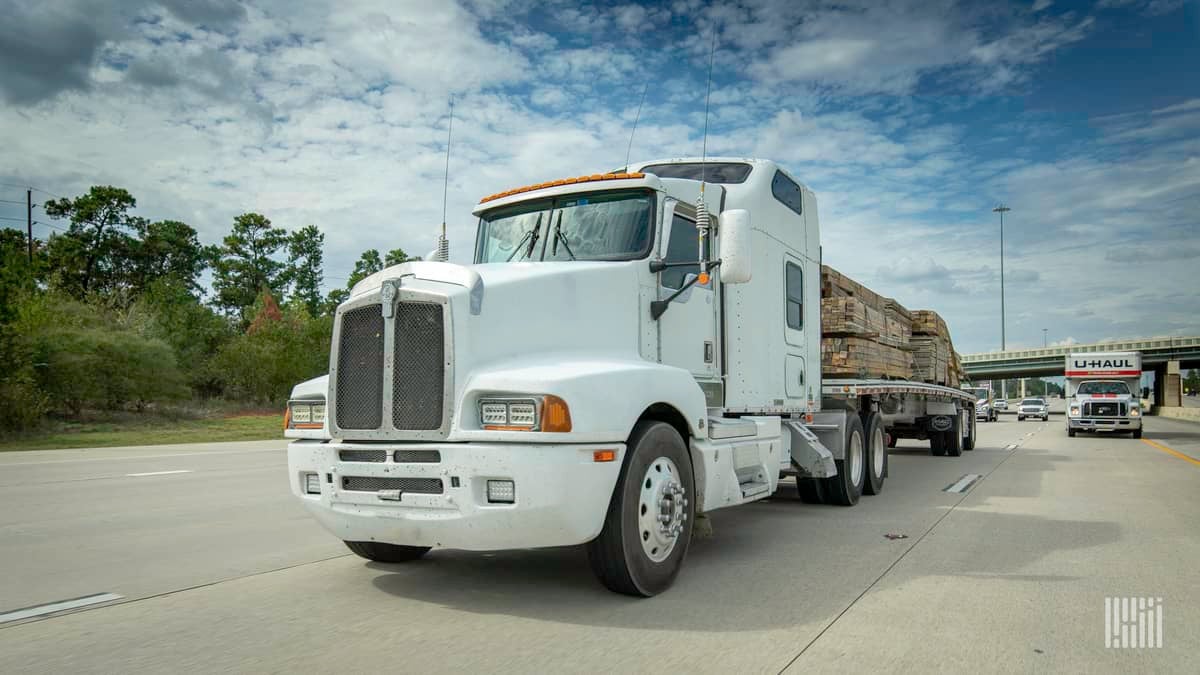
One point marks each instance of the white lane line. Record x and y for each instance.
(76, 460)
(60, 606)
(157, 473)
(1011, 446)
(963, 483)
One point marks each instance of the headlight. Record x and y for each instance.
(1074, 411)
(306, 414)
(1133, 412)
(545, 413)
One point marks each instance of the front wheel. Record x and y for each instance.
(386, 553)
(1070, 432)
(1137, 433)
(649, 523)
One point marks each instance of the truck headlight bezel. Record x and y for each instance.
(524, 413)
(306, 414)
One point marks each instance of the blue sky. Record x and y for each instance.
(910, 120)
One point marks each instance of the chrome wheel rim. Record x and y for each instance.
(856, 458)
(662, 509)
(879, 449)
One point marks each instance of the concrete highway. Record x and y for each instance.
(218, 570)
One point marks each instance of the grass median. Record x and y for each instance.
(132, 430)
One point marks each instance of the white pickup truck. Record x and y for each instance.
(616, 361)
(1102, 390)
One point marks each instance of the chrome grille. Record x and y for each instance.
(419, 367)
(425, 486)
(362, 455)
(360, 369)
(417, 456)
(1104, 409)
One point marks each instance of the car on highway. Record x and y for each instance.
(1033, 407)
(1000, 404)
(983, 403)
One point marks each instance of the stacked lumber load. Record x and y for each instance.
(860, 357)
(863, 334)
(850, 316)
(933, 353)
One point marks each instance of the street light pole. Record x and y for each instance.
(1045, 342)
(1002, 209)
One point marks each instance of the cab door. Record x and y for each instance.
(687, 330)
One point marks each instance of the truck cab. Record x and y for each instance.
(983, 403)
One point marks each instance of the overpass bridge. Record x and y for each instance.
(1166, 357)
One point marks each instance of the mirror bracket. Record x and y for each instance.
(659, 307)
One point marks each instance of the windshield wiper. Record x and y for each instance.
(559, 236)
(531, 234)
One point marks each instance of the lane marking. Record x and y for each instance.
(1011, 446)
(1171, 451)
(130, 457)
(963, 483)
(157, 473)
(60, 606)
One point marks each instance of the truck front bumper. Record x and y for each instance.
(561, 493)
(1104, 423)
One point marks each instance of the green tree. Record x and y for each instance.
(93, 254)
(245, 264)
(334, 298)
(368, 263)
(168, 249)
(304, 272)
(395, 257)
(170, 312)
(1192, 381)
(264, 363)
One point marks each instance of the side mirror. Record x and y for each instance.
(735, 246)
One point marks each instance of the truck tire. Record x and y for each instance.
(810, 490)
(937, 444)
(1137, 433)
(877, 454)
(845, 488)
(891, 440)
(969, 439)
(386, 553)
(638, 552)
(952, 438)
(1070, 432)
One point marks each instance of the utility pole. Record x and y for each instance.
(1002, 209)
(1045, 340)
(29, 222)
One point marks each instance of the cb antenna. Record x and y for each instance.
(635, 123)
(702, 220)
(443, 245)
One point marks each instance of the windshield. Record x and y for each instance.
(594, 226)
(980, 394)
(1118, 388)
(1033, 401)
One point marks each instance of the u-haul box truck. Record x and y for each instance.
(1102, 392)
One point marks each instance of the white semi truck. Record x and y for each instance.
(1102, 392)
(598, 377)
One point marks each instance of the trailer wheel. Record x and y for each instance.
(845, 488)
(969, 439)
(952, 438)
(649, 522)
(386, 553)
(810, 490)
(937, 444)
(877, 454)
(891, 440)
